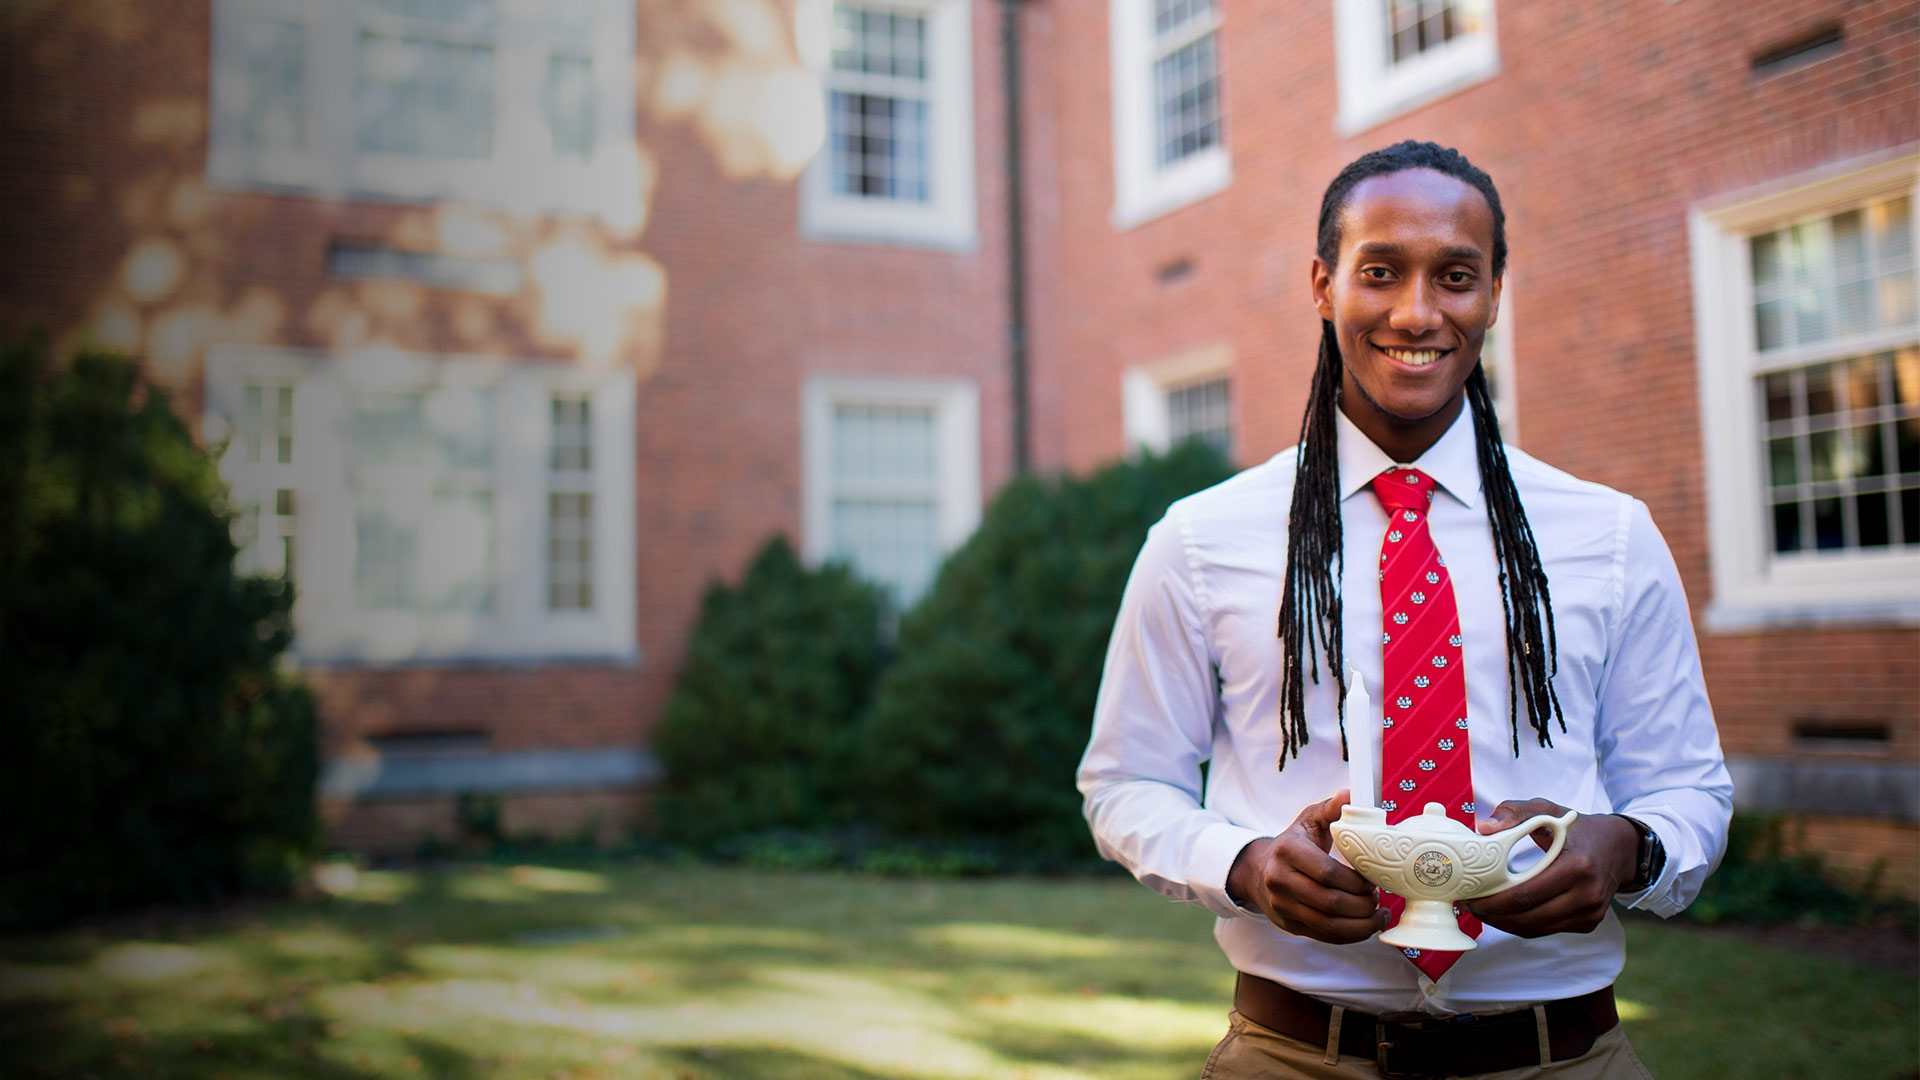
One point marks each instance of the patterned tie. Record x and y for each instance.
(1423, 751)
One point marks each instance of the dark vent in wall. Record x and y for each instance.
(348, 259)
(1801, 49)
(1174, 271)
(1842, 736)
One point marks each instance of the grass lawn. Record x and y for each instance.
(643, 970)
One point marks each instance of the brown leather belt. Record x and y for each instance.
(1417, 1044)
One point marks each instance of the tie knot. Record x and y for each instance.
(1404, 489)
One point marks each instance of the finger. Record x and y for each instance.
(1306, 895)
(1332, 874)
(1319, 816)
(1349, 931)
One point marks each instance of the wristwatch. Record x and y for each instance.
(1652, 858)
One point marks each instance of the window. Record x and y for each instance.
(1396, 55)
(1187, 397)
(897, 163)
(448, 508)
(523, 104)
(1496, 360)
(1168, 141)
(892, 476)
(1808, 320)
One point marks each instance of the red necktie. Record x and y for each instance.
(1423, 751)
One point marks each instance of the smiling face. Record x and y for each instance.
(1410, 301)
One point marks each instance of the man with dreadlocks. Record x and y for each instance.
(1563, 674)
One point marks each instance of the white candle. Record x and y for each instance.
(1363, 769)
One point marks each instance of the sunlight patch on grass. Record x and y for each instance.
(1003, 939)
(1140, 1023)
(384, 887)
(551, 879)
(859, 1022)
(1633, 1010)
(145, 962)
(319, 942)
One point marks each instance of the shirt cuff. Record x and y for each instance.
(1209, 863)
(1659, 886)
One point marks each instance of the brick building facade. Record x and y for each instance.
(611, 292)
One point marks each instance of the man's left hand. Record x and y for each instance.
(1571, 895)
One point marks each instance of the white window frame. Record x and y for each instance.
(1506, 399)
(1144, 392)
(522, 176)
(1374, 89)
(1142, 188)
(948, 218)
(956, 411)
(1752, 586)
(329, 626)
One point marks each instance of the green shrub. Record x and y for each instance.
(1759, 882)
(760, 731)
(978, 725)
(153, 752)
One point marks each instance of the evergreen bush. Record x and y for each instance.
(153, 751)
(977, 727)
(760, 731)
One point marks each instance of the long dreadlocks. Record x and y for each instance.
(1309, 598)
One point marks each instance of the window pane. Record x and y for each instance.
(570, 105)
(1907, 439)
(1906, 377)
(1821, 396)
(1768, 260)
(431, 555)
(1892, 225)
(1786, 527)
(1186, 92)
(1770, 324)
(272, 106)
(1910, 515)
(1779, 396)
(424, 97)
(1865, 457)
(1870, 511)
(1829, 531)
(1828, 454)
(879, 146)
(569, 551)
(875, 42)
(1863, 382)
(1201, 411)
(1784, 467)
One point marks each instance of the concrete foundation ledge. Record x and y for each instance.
(1883, 790)
(506, 772)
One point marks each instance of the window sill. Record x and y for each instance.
(1199, 177)
(1389, 105)
(1746, 617)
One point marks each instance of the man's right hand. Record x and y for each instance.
(1303, 889)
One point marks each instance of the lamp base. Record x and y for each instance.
(1428, 924)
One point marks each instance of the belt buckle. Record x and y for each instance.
(1417, 1045)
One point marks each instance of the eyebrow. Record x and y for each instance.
(1451, 254)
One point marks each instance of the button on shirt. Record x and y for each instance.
(1193, 675)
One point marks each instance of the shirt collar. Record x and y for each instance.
(1453, 462)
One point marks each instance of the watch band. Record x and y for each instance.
(1652, 858)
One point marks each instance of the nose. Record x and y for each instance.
(1414, 311)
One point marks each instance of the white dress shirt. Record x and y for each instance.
(1193, 675)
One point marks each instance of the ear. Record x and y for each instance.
(1495, 317)
(1320, 278)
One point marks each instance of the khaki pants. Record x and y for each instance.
(1252, 1052)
